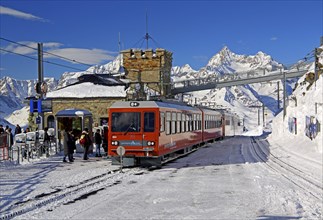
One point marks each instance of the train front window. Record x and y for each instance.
(125, 122)
(149, 122)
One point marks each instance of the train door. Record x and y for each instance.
(223, 118)
(150, 131)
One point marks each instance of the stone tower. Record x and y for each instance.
(149, 72)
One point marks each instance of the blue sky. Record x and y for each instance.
(88, 31)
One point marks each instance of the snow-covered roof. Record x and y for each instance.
(88, 90)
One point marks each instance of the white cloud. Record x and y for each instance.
(19, 14)
(88, 56)
(274, 38)
(24, 50)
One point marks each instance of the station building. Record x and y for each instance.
(86, 103)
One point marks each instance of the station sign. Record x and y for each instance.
(40, 105)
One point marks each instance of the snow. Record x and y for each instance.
(19, 117)
(224, 180)
(77, 91)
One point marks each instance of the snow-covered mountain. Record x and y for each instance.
(13, 92)
(227, 62)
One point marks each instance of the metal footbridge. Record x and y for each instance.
(227, 80)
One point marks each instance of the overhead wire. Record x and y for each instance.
(62, 57)
(45, 61)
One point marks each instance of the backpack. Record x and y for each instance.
(82, 139)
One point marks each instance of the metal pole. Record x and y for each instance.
(316, 65)
(263, 115)
(278, 95)
(40, 66)
(40, 80)
(258, 116)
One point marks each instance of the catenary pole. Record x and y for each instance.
(40, 81)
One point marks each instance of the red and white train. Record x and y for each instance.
(152, 132)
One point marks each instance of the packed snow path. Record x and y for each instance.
(238, 178)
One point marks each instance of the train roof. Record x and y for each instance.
(153, 104)
(209, 110)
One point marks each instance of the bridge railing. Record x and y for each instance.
(248, 75)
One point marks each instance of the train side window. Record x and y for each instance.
(149, 122)
(179, 122)
(190, 123)
(183, 122)
(168, 122)
(174, 123)
(207, 121)
(195, 122)
(187, 123)
(162, 122)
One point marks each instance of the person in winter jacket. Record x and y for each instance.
(18, 129)
(65, 145)
(86, 142)
(98, 141)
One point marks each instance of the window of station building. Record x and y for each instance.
(162, 122)
(174, 128)
(104, 121)
(168, 122)
(51, 121)
(149, 122)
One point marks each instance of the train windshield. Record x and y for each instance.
(125, 122)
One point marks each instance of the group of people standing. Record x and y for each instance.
(69, 143)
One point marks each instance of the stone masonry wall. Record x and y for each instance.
(148, 66)
(99, 107)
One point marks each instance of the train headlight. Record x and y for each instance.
(114, 143)
(150, 143)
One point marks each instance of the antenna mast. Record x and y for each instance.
(147, 35)
(119, 43)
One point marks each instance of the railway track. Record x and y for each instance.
(309, 184)
(69, 194)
